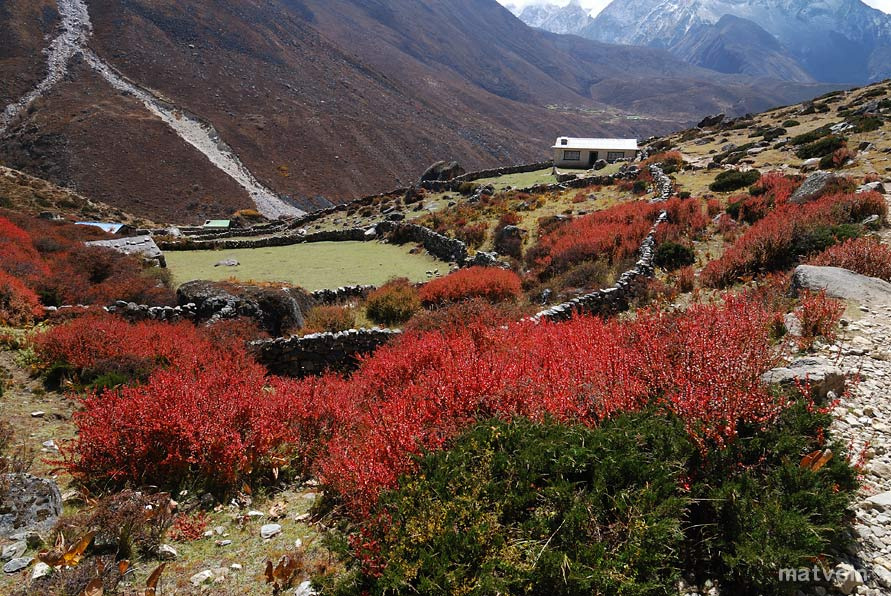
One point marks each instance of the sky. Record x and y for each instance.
(598, 5)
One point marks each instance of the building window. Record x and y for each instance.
(572, 156)
(614, 155)
(564, 141)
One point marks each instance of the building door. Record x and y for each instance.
(592, 157)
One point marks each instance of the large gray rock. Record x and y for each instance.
(843, 284)
(822, 375)
(813, 187)
(276, 310)
(30, 504)
(442, 171)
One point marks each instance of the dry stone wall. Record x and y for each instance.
(319, 352)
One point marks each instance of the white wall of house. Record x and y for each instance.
(585, 158)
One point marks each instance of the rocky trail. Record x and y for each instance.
(76, 30)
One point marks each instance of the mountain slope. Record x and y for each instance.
(332, 98)
(735, 45)
(570, 19)
(842, 41)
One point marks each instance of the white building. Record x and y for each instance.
(582, 153)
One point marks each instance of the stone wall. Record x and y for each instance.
(316, 353)
(351, 234)
(341, 294)
(618, 298)
(442, 247)
(664, 185)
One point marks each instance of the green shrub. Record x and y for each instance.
(526, 508)
(329, 319)
(810, 137)
(672, 256)
(626, 508)
(791, 123)
(731, 180)
(393, 303)
(639, 188)
(821, 238)
(866, 124)
(825, 146)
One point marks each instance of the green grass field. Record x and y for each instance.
(523, 180)
(312, 266)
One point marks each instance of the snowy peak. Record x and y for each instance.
(570, 19)
(838, 41)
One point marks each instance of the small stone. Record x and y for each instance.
(167, 553)
(882, 576)
(208, 534)
(38, 414)
(41, 569)
(270, 530)
(881, 501)
(222, 543)
(302, 517)
(51, 445)
(13, 551)
(847, 579)
(256, 513)
(298, 543)
(17, 564)
(305, 589)
(201, 578)
(235, 567)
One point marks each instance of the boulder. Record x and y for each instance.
(872, 187)
(810, 165)
(813, 187)
(711, 121)
(30, 504)
(509, 241)
(600, 164)
(822, 375)
(270, 530)
(442, 171)
(276, 310)
(227, 263)
(841, 283)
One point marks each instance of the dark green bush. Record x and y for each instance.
(526, 508)
(639, 188)
(791, 123)
(731, 180)
(821, 238)
(825, 146)
(865, 124)
(810, 137)
(626, 508)
(672, 256)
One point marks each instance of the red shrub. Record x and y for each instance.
(18, 256)
(393, 303)
(416, 394)
(819, 317)
(19, 305)
(866, 256)
(212, 421)
(777, 187)
(188, 528)
(490, 283)
(91, 341)
(775, 241)
(713, 207)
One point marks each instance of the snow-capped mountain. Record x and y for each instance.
(571, 19)
(839, 41)
(835, 40)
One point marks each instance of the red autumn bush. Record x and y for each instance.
(490, 283)
(19, 305)
(866, 256)
(212, 422)
(90, 344)
(329, 318)
(819, 316)
(416, 394)
(776, 187)
(789, 231)
(466, 314)
(51, 259)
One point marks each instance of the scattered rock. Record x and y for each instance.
(201, 578)
(227, 263)
(810, 165)
(711, 121)
(38, 414)
(13, 551)
(167, 553)
(600, 164)
(305, 589)
(442, 171)
(847, 579)
(41, 569)
(17, 564)
(813, 187)
(841, 283)
(881, 501)
(821, 373)
(276, 310)
(270, 530)
(30, 504)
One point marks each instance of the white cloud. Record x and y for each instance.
(884, 5)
